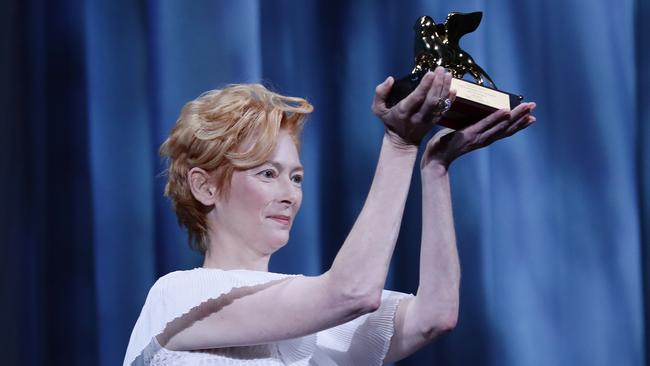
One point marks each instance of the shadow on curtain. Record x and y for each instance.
(553, 225)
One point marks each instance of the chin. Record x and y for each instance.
(278, 241)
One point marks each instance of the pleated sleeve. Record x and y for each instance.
(175, 294)
(362, 341)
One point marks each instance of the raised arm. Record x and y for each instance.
(352, 286)
(364, 258)
(434, 310)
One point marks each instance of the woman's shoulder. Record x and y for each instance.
(178, 292)
(210, 274)
(211, 280)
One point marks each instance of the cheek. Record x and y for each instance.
(249, 195)
(299, 201)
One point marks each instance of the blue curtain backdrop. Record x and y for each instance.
(553, 224)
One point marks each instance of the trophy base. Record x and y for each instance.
(473, 102)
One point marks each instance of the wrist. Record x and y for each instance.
(434, 169)
(397, 143)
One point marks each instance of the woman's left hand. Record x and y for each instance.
(408, 121)
(447, 145)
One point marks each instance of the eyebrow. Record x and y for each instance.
(279, 166)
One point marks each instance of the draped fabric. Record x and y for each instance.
(553, 224)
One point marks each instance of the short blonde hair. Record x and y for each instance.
(220, 131)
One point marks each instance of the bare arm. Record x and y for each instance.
(434, 310)
(352, 287)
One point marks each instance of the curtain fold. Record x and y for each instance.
(553, 224)
(642, 140)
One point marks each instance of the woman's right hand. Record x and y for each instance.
(447, 145)
(408, 121)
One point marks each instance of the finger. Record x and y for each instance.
(409, 105)
(516, 121)
(499, 131)
(487, 122)
(445, 94)
(498, 116)
(430, 105)
(517, 118)
(446, 85)
(439, 90)
(452, 95)
(520, 125)
(381, 94)
(513, 127)
(521, 109)
(438, 82)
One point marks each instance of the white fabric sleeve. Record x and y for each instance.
(175, 294)
(362, 341)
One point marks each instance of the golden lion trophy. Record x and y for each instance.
(437, 45)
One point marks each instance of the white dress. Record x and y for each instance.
(362, 341)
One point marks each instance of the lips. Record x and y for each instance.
(282, 219)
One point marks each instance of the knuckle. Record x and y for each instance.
(502, 127)
(479, 140)
(401, 111)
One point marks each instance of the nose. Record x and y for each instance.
(290, 192)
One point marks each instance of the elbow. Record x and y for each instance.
(440, 325)
(361, 302)
(448, 323)
(370, 302)
(354, 298)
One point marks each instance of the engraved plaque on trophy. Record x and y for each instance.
(437, 45)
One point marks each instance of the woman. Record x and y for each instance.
(234, 181)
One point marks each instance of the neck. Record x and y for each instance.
(228, 252)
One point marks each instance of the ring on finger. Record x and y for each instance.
(442, 91)
(442, 106)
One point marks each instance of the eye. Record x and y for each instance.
(268, 173)
(297, 179)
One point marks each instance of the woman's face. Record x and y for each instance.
(263, 201)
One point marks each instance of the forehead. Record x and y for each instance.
(285, 150)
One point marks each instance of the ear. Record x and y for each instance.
(202, 187)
